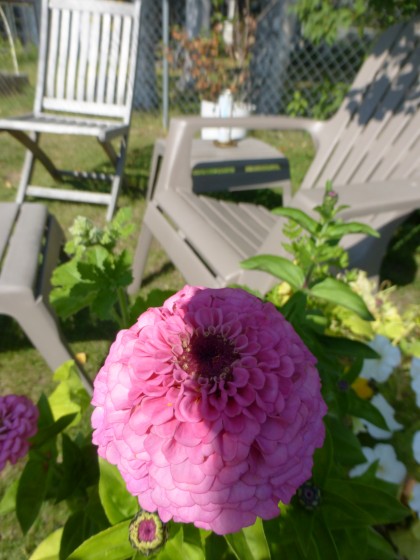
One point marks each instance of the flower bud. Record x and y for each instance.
(147, 533)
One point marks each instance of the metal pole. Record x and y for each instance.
(165, 64)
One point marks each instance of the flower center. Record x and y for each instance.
(209, 356)
(147, 530)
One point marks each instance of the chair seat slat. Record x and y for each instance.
(64, 125)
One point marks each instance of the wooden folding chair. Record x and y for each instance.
(86, 77)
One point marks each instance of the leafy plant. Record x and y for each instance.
(327, 99)
(316, 250)
(323, 19)
(98, 270)
(218, 59)
(298, 106)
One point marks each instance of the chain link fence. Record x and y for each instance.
(287, 74)
(19, 29)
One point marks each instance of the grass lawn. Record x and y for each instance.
(22, 370)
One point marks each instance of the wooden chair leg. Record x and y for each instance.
(27, 170)
(117, 180)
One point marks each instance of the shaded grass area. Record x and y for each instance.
(22, 369)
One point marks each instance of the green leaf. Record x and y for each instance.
(215, 547)
(324, 539)
(299, 217)
(117, 502)
(323, 461)
(49, 548)
(73, 534)
(192, 547)
(380, 548)
(340, 346)
(31, 492)
(362, 408)
(249, 543)
(155, 298)
(347, 448)
(303, 524)
(339, 230)
(71, 468)
(341, 513)
(111, 544)
(257, 541)
(82, 525)
(45, 415)
(8, 501)
(70, 396)
(49, 432)
(173, 547)
(279, 267)
(294, 310)
(339, 293)
(380, 505)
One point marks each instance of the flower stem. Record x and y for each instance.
(124, 316)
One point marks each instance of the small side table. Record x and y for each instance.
(249, 163)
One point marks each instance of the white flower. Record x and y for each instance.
(415, 378)
(389, 468)
(414, 503)
(388, 413)
(390, 358)
(416, 446)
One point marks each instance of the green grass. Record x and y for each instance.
(22, 369)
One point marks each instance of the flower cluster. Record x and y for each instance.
(18, 422)
(217, 60)
(211, 408)
(393, 337)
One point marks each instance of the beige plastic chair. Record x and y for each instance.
(30, 243)
(370, 150)
(86, 76)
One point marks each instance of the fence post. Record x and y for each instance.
(165, 64)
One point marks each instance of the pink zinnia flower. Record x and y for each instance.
(18, 422)
(210, 406)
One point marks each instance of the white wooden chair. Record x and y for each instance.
(369, 150)
(86, 76)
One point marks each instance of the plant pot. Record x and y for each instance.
(211, 109)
